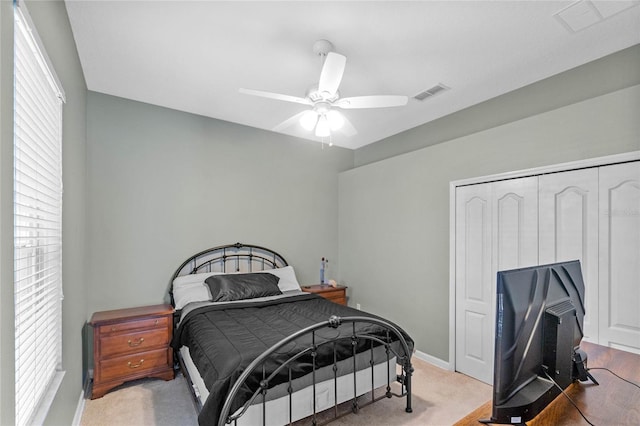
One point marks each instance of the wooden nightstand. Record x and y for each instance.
(335, 294)
(131, 344)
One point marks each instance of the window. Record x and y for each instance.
(37, 224)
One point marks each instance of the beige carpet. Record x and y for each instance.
(143, 402)
(440, 397)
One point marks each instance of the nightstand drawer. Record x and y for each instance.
(336, 298)
(334, 294)
(134, 325)
(133, 342)
(133, 364)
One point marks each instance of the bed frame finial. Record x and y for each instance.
(335, 321)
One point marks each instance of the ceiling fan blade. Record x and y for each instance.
(338, 122)
(331, 74)
(379, 101)
(277, 96)
(289, 122)
(347, 128)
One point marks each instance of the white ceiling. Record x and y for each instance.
(194, 56)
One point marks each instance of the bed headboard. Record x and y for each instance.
(236, 257)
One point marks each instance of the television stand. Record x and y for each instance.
(610, 403)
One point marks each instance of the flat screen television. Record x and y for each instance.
(539, 327)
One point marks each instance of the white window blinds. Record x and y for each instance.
(37, 222)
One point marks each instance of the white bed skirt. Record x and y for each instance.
(277, 410)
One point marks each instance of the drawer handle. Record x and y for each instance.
(114, 328)
(134, 344)
(135, 365)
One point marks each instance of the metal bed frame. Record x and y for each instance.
(236, 257)
(247, 258)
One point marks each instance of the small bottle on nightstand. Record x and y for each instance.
(326, 272)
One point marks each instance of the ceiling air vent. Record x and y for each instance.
(438, 88)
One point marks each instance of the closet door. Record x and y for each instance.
(515, 224)
(474, 282)
(568, 222)
(620, 256)
(496, 228)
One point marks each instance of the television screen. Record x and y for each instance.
(539, 327)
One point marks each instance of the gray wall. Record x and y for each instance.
(166, 184)
(50, 19)
(394, 214)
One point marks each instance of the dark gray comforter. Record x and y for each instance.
(223, 339)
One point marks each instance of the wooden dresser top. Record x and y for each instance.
(321, 288)
(130, 313)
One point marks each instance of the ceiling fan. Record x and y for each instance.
(324, 98)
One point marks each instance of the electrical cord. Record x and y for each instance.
(567, 396)
(621, 378)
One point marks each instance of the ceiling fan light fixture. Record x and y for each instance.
(336, 120)
(309, 119)
(322, 128)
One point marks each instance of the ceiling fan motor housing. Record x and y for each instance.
(322, 47)
(322, 107)
(317, 96)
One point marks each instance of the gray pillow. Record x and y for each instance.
(225, 288)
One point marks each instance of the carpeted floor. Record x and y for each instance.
(440, 397)
(143, 402)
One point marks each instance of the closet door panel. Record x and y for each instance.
(515, 224)
(620, 256)
(496, 228)
(568, 221)
(474, 314)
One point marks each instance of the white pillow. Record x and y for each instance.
(187, 293)
(191, 288)
(287, 277)
(193, 279)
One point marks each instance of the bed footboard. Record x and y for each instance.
(260, 395)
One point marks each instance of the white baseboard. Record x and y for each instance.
(79, 410)
(433, 360)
